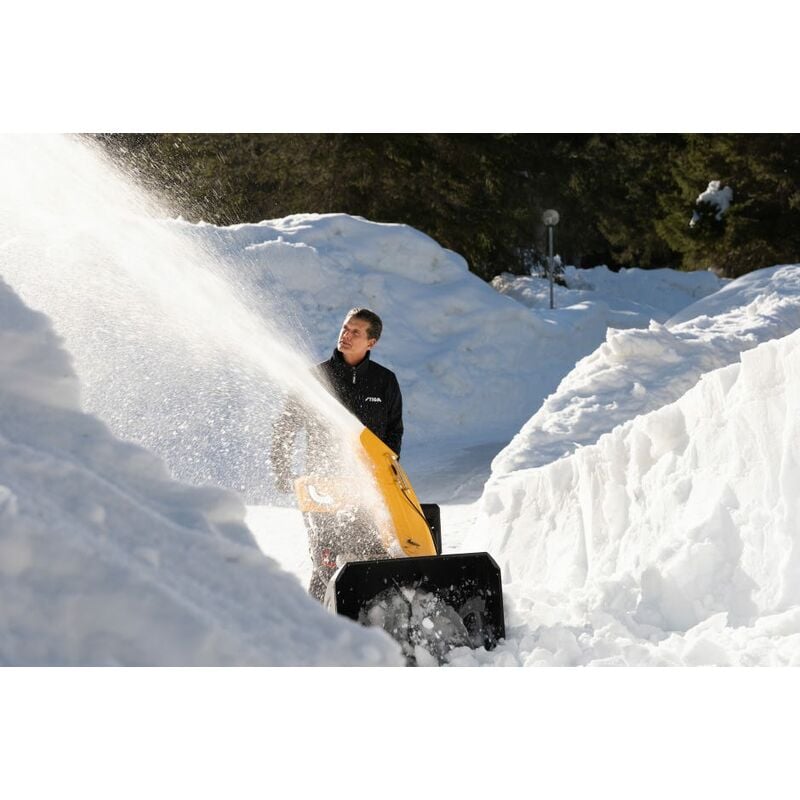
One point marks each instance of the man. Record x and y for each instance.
(370, 392)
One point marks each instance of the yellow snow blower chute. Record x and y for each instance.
(422, 598)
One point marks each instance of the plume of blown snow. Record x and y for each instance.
(106, 560)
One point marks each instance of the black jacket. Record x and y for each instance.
(369, 391)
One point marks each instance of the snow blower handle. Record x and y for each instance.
(410, 528)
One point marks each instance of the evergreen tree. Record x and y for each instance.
(617, 181)
(762, 225)
(624, 200)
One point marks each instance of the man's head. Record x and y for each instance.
(360, 332)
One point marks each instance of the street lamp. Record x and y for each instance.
(550, 219)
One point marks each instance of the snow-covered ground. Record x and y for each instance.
(629, 457)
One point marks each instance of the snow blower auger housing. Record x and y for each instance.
(422, 598)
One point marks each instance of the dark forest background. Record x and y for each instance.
(625, 200)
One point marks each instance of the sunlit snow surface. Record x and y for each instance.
(642, 437)
(672, 539)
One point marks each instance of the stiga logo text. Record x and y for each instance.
(373, 399)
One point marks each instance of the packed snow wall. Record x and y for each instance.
(635, 371)
(677, 515)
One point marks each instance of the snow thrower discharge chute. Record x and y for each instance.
(429, 602)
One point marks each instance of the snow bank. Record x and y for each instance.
(472, 364)
(673, 540)
(632, 297)
(636, 371)
(106, 560)
(451, 339)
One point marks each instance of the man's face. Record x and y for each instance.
(354, 341)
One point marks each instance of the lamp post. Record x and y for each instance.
(550, 219)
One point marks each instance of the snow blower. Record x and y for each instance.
(427, 601)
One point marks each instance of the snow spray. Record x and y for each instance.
(175, 349)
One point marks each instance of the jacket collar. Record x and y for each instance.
(341, 364)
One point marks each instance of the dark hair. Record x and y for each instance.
(375, 326)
